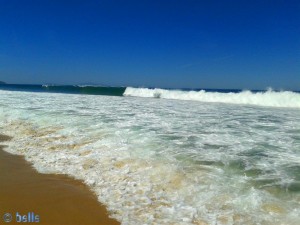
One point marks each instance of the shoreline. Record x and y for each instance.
(48, 198)
(167, 162)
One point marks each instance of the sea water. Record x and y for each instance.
(223, 158)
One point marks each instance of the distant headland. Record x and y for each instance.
(1, 82)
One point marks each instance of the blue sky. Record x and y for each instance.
(188, 43)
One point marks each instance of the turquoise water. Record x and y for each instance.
(68, 89)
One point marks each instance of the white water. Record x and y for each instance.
(164, 162)
(268, 98)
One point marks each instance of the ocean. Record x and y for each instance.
(164, 156)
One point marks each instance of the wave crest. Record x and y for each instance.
(268, 98)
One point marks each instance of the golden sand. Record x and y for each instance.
(55, 199)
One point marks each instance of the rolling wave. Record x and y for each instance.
(67, 89)
(85, 89)
(267, 98)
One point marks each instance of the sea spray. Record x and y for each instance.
(267, 98)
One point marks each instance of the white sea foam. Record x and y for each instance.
(268, 98)
(164, 162)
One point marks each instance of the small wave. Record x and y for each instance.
(84, 89)
(268, 98)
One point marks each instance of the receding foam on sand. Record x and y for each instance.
(54, 199)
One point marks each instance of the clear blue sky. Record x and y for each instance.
(208, 44)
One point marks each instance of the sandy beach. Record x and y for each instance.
(47, 198)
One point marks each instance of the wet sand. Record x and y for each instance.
(55, 199)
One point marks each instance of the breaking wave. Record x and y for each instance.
(266, 98)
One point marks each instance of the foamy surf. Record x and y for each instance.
(164, 162)
(267, 98)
